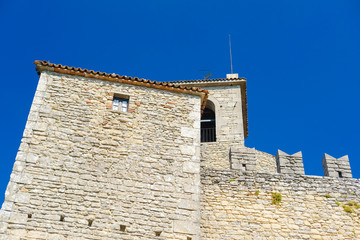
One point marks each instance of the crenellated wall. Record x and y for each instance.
(240, 205)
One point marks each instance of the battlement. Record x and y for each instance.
(244, 161)
(305, 207)
(290, 164)
(251, 160)
(339, 167)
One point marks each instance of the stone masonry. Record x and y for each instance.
(229, 100)
(336, 167)
(86, 171)
(289, 164)
(238, 205)
(245, 161)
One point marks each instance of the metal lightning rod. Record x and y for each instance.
(230, 54)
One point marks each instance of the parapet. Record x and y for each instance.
(336, 167)
(290, 164)
(245, 161)
(248, 160)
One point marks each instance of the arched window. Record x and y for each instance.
(208, 123)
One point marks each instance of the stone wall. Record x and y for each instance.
(265, 162)
(215, 154)
(84, 171)
(243, 160)
(252, 160)
(238, 205)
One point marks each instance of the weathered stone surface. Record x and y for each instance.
(239, 205)
(289, 164)
(85, 171)
(183, 227)
(86, 162)
(336, 167)
(229, 126)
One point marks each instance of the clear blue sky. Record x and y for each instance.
(301, 60)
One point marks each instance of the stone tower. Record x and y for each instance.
(228, 105)
(105, 156)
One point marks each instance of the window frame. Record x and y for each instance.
(120, 103)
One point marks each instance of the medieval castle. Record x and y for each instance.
(105, 156)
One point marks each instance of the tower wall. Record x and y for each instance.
(229, 126)
(85, 171)
(229, 119)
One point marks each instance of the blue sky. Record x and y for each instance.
(300, 58)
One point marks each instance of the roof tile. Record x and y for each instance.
(46, 66)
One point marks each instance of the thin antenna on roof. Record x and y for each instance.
(230, 54)
(207, 72)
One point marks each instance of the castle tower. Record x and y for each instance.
(105, 156)
(224, 123)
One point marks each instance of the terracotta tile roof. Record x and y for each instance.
(46, 66)
(223, 82)
(208, 80)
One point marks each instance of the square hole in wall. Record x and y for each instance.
(122, 228)
(244, 167)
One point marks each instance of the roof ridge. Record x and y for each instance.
(208, 80)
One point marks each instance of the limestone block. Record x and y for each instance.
(187, 150)
(191, 167)
(189, 132)
(18, 218)
(20, 156)
(19, 166)
(3, 227)
(22, 197)
(188, 204)
(185, 227)
(40, 126)
(18, 232)
(7, 206)
(4, 215)
(37, 234)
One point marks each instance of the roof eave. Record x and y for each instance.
(177, 88)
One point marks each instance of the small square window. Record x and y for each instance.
(120, 104)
